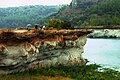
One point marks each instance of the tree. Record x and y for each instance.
(66, 24)
(59, 24)
(54, 23)
(19, 17)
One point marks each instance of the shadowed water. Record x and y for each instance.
(103, 51)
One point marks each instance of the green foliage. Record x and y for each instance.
(92, 13)
(66, 24)
(57, 23)
(105, 13)
(21, 16)
(86, 13)
(89, 72)
(54, 23)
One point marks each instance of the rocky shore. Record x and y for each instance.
(22, 50)
(105, 33)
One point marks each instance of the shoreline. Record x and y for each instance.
(105, 33)
(88, 72)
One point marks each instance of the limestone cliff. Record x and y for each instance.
(105, 33)
(23, 50)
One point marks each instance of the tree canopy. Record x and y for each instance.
(92, 13)
(21, 16)
(58, 24)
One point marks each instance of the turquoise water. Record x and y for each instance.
(103, 51)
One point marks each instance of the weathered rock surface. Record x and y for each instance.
(23, 50)
(105, 33)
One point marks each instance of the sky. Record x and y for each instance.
(14, 3)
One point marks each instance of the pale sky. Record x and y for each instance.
(13, 3)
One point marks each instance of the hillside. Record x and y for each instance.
(75, 11)
(21, 16)
(79, 13)
(105, 13)
(92, 12)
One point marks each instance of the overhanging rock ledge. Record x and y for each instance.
(22, 50)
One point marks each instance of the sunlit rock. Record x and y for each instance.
(26, 50)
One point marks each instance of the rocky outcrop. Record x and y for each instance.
(22, 50)
(82, 4)
(105, 33)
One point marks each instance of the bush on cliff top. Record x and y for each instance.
(58, 24)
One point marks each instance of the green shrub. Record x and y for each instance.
(89, 72)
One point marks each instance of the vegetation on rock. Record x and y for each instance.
(58, 24)
(89, 72)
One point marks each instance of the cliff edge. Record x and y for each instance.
(22, 50)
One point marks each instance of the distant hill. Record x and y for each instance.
(75, 11)
(105, 13)
(20, 16)
(79, 13)
(91, 12)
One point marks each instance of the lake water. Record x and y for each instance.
(103, 51)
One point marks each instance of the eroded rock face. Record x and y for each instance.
(44, 49)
